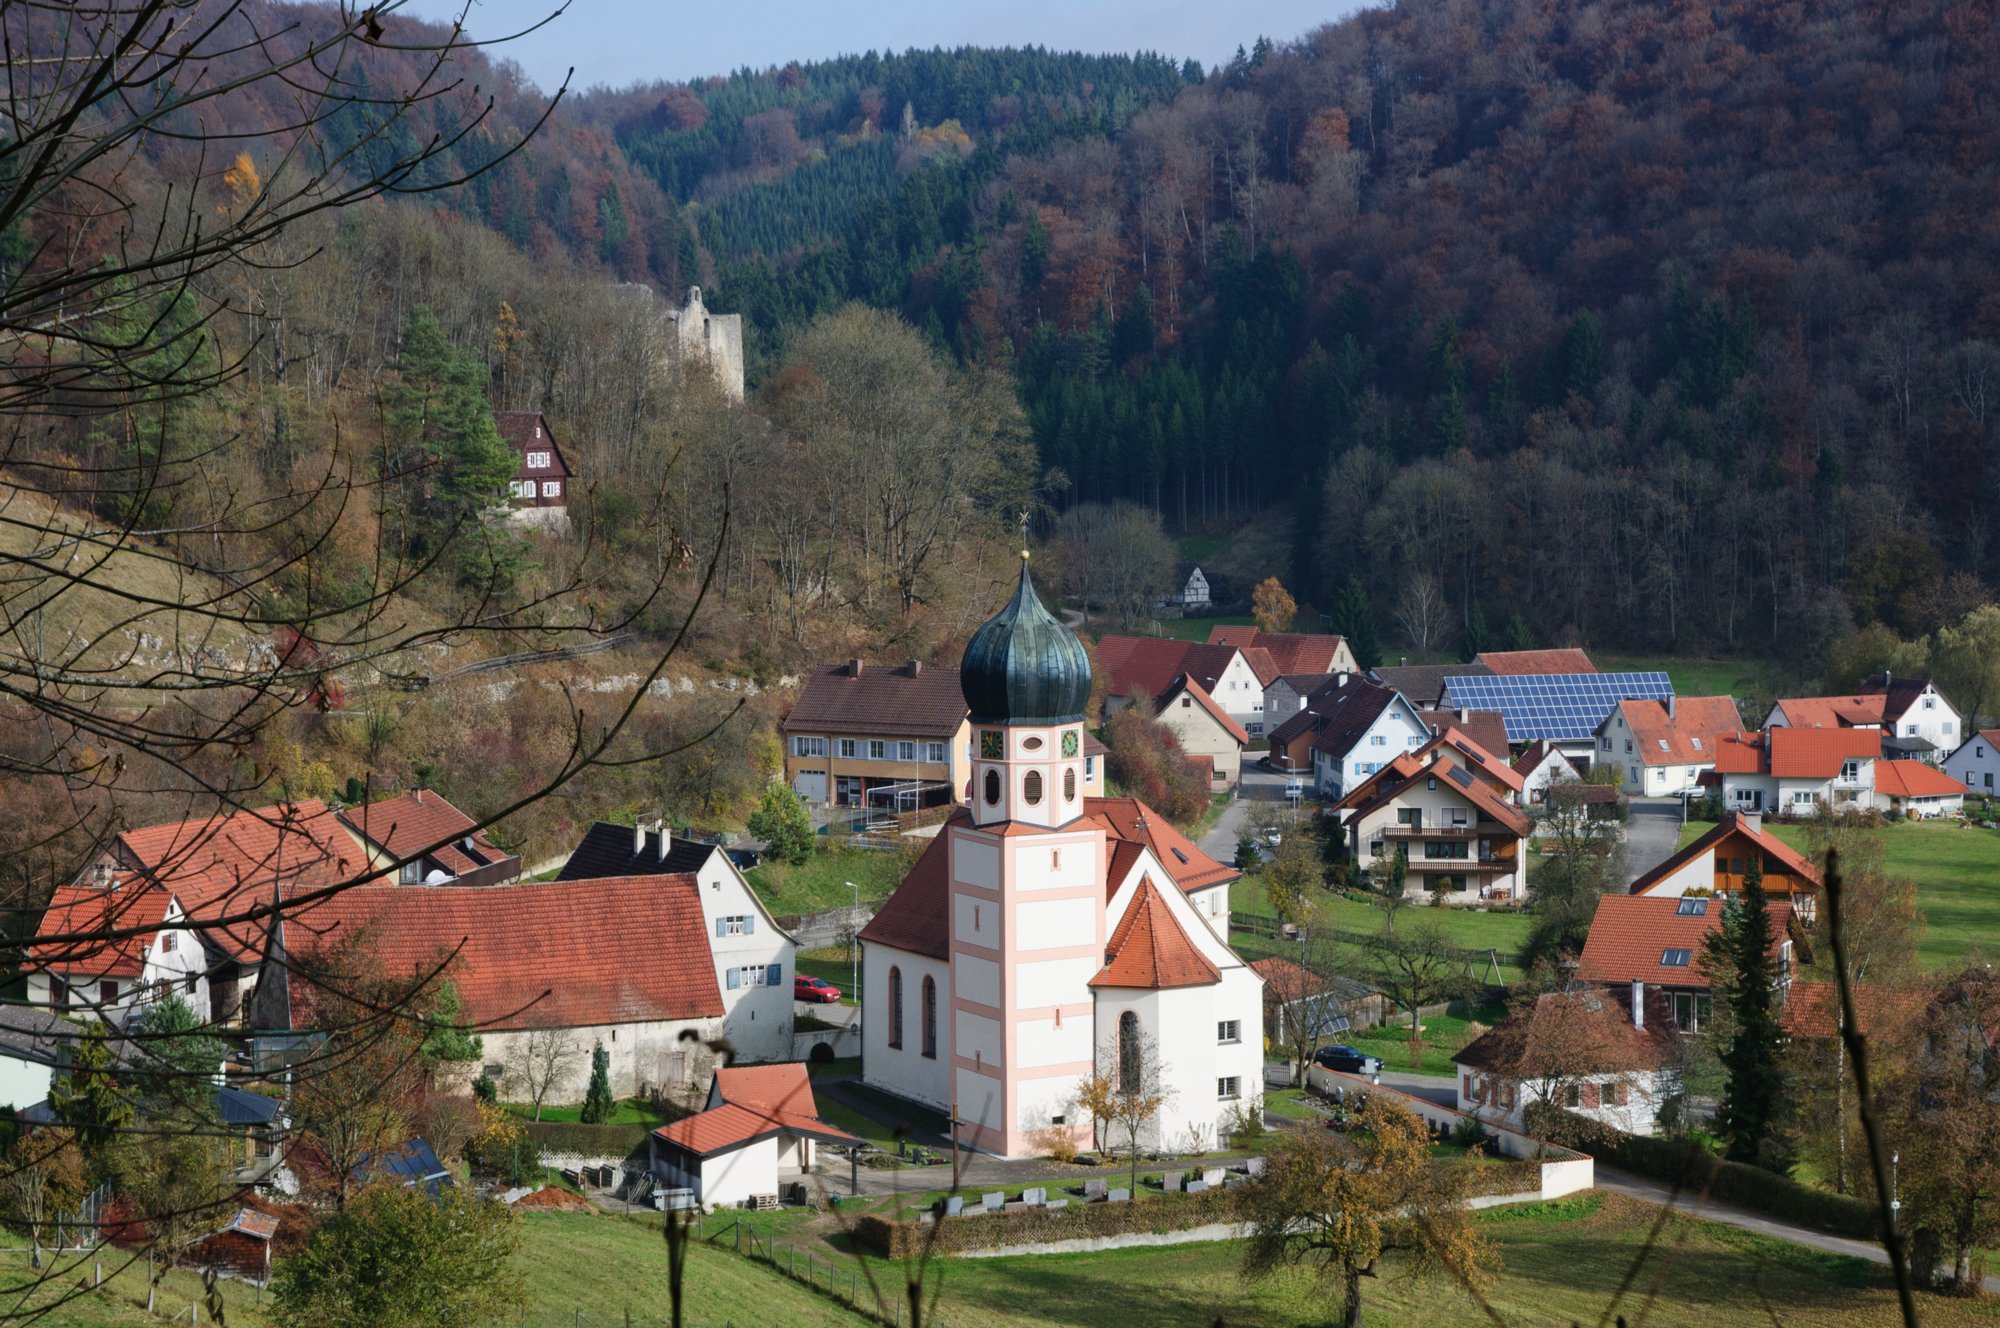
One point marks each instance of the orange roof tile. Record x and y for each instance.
(1291, 652)
(1478, 758)
(1915, 779)
(1287, 979)
(1131, 819)
(1831, 712)
(1480, 793)
(84, 914)
(1687, 736)
(423, 823)
(917, 916)
(1776, 852)
(1133, 665)
(1589, 1029)
(1150, 950)
(767, 1088)
(1187, 686)
(1488, 728)
(559, 954)
(1818, 753)
(1810, 1008)
(756, 1101)
(1630, 935)
(1508, 663)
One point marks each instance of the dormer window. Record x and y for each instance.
(538, 461)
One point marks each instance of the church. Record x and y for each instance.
(1045, 932)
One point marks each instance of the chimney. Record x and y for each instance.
(1343, 679)
(1751, 821)
(418, 796)
(1463, 714)
(666, 838)
(638, 837)
(916, 667)
(1670, 707)
(854, 668)
(1639, 1004)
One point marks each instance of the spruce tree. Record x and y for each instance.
(1354, 618)
(1475, 633)
(597, 1101)
(1740, 963)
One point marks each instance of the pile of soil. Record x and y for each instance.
(556, 1198)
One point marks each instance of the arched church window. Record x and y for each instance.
(930, 1018)
(1130, 1053)
(896, 1007)
(992, 787)
(1031, 787)
(1069, 786)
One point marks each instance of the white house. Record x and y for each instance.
(33, 1045)
(1541, 765)
(1192, 599)
(1914, 718)
(1663, 747)
(1610, 1056)
(1976, 761)
(1204, 729)
(1348, 730)
(1451, 810)
(744, 939)
(1045, 934)
(759, 1129)
(1147, 666)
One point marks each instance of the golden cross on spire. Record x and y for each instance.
(1023, 521)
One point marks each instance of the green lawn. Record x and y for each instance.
(601, 1265)
(1505, 932)
(1744, 678)
(1196, 629)
(629, 1111)
(1443, 1035)
(820, 882)
(1559, 1264)
(1956, 869)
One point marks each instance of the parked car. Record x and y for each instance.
(817, 990)
(745, 858)
(1345, 1058)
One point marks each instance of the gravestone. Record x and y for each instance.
(1213, 1175)
(995, 1201)
(1035, 1198)
(1093, 1189)
(1057, 1203)
(1197, 1186)
(1118, 1196)
(1254, 1167)
(1171, 1182)
(954, 1206)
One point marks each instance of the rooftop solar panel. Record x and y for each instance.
(1557, 707)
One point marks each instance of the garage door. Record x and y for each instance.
(811, 785)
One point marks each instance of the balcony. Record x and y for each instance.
(1458, 866)
(1401, 831)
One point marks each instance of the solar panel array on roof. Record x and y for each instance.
(1460, 776)
(1559, 707)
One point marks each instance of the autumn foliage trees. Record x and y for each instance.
(1147, 763)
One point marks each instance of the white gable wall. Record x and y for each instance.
(1976, 764)
(757, 1020)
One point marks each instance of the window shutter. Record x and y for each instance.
(721, 928)
(734, 978)
(777, 974)
(1590, 1099)
(750, 924)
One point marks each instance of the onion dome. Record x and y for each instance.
(1023, 666)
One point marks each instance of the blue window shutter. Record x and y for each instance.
(734, 978)
(777, 974)
(719, 928)
(750, 925)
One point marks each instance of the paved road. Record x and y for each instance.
(1651, 834)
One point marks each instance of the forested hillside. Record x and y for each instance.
(1659, 324)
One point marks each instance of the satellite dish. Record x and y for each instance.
(438, 876)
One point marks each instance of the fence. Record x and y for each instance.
(818, 1271)
(1485, 964)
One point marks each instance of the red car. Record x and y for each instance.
(814, 989)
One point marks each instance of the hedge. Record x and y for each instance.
(1697, 1171)
(588, 1140)
(1028, 1226)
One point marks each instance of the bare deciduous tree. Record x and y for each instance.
(1421, 612)
(542, 1060)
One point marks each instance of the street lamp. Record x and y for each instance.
(1895, 1192)
(854, 954)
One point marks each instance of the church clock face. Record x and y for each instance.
(1069, 742)
(992, 745)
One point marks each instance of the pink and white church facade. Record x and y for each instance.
(1046, 931)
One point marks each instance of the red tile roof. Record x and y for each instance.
(1135, 665)
(1830, 712)
(1630, 934)
(1688, 735)
(1790, 753)
(1292, 652)
(1488, 728)
(85, 913)
(756, 1102)
(1776, 852)
(559, 954)
(1478, 758)
(1915, 779)
(912, 699)
(1508, 663)
(1201, 697)
(422, 823)
(1150, 950)
(1287, 979)
(917, 916)
(1131, 819)
(1810, 1009)
(1479, 793)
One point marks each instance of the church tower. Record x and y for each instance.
(1027, 884)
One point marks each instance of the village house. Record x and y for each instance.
(1715, 864)
(1611, 1056)
(1204, 729)
(1663, 747)
(1976, 761)
(757, 1131)
(1194, 597)
(1349, 729)
(1657, 938)
(744, 938)
(1564, 709)
(1136, 666)
(1044, 933)
(1912, 716)
(1518, 663)
(1291, 652)
(1287, 694)
(624, 962)
(162, 909)
(1450, 810)
(879, 738)
(539, 490)
(1797, 771)
(1488, 728)
(1917, 789)
(1539, 766)
(435, 841)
